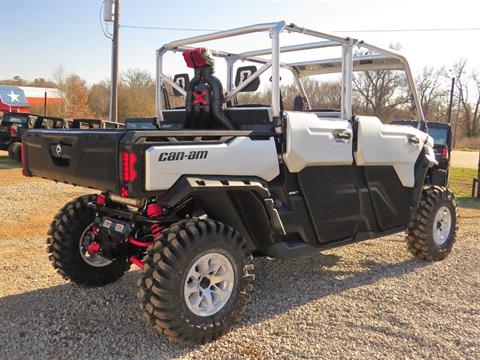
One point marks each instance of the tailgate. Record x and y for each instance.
(80, 157)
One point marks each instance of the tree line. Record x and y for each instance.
(382, 93)
(136, 95)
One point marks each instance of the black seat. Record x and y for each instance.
(204, 99)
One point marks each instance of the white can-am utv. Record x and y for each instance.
(216, 183)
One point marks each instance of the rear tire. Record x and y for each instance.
(430, 236)
(196, 281)
(66, 232)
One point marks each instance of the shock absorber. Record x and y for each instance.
(155, 211)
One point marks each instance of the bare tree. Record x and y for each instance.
(380, 93)
(433, 93)
(469, 112)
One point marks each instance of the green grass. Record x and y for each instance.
(461, 184)
(7, 163)
(467, 149)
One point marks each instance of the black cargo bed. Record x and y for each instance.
(79, 157)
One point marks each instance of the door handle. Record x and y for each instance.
(345, 135)
(413, 140)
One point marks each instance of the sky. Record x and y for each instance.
(37, 36)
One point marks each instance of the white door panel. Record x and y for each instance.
(312, 141)
(381, 144)
(240, 157)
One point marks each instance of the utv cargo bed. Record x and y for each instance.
(54, 155)
(96, 158)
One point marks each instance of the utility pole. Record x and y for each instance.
(449, 117)
(112, 10)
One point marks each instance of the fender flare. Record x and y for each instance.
(259, 224)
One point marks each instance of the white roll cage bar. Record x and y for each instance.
(380, 59)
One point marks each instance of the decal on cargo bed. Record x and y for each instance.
(181, 155)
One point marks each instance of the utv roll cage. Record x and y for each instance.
(379, 59)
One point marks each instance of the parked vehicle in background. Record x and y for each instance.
(442, 145)
(141, 123)
(13, 125)
(93, 124)
(112, 125)
(85, 124)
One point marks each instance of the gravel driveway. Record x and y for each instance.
(369, 300)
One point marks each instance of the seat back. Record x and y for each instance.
(204, 99)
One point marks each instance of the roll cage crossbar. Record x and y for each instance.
(377, 59)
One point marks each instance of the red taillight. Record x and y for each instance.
(128, 166)
(445, 152)
(100, 199)
(124, 192)
(12, 130)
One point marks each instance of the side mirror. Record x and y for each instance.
(182, 80)
(243, 73)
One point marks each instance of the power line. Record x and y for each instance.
(165, 28)
(334, 31)
(410, 30)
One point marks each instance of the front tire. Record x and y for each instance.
(69, 229)
(430, 236)
(196, 281)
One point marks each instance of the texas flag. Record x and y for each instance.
(12, 96)
(20, 98)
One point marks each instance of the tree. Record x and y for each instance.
(468, 111)
(380, 92)
(136, 96)
(16, 81)
(41, 82)
(432, 93)
(77, 97)
(99, 99)
(383, 93)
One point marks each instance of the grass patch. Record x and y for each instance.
(467, 149)
(7, 163)
(461, 183)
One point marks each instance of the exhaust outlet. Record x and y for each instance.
(126, 201)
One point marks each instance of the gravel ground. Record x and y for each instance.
(369, 300)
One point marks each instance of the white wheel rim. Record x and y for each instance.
(95, 260)
(442, 225)
(209, 284)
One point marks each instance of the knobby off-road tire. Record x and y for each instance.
(430, 236)
(166, 274)
(63, 244)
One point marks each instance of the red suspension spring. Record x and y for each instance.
(155, 211)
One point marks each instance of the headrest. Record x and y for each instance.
(198, 58)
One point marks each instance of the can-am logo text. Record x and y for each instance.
(180, 155)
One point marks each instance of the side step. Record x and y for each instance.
(290, 250)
